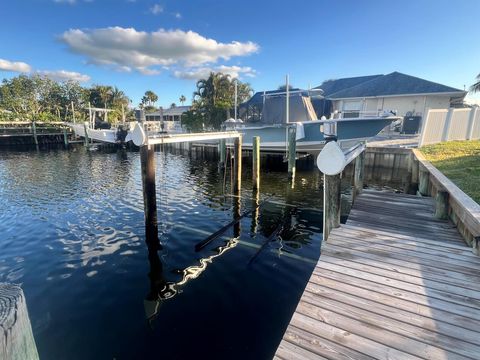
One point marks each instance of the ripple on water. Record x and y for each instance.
(73, 235)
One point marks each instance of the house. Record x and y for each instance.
(171, 114)
(405, 94)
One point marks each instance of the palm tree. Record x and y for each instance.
(182, 99)
(151, 97)
(104, 93)
(476, 87)
(119, 98)
(173, 105)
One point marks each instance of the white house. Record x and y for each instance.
(407, 95)
(171, 114)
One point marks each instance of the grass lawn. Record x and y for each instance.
(460, 162)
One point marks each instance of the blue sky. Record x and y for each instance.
(164, 45)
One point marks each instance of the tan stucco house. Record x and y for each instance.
(405, 94)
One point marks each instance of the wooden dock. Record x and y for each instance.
(392, 283)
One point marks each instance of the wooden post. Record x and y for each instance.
(147, 159)
(441, 205)
(256, 162)
(255, 212)
(73, 114)
(236, 215)
(423, 183)
(65, 137)
(85, 128)
(16, 337)
(222, 152)
(359, 174)
(34, 132)
(292, 151)
(415, 169)
(331, 203)
(237, 169)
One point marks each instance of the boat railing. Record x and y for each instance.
(349, 114)
(162, 126)
(27, 127)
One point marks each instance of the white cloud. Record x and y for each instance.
(15, 66)
(63, 75)
(70, 2)
(156, 9)
(128, 48)
(58, 75)
(178, 15)
(204, 72)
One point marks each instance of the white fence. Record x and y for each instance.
(452, 124)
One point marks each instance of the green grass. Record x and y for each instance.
(460, 162)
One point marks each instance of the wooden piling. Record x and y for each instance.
(441, 204)
(292, 151)
(65, 138)
(237, 169)
(236, 215)
(222, 150)
(16, 337)
(256, 162)
(147, 159)
(34, 133)
(359, 174)
(414, 164)
(331, 203)
(255, 212)
(423, 182)
(85, 128)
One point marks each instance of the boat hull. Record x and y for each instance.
(310, 138)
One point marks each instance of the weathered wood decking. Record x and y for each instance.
(393, 283)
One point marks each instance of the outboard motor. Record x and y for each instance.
(99, 124)
(121, 134)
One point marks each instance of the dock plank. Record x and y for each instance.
(392, 283)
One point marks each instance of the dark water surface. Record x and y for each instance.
(72, 233)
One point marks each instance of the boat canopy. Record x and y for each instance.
(275, 112)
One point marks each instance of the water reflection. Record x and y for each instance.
(73, 222)
(161, 290)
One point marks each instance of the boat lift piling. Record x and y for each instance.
(237, 169)
(222, 150)
(292, 152)
(256, 163)
(331, 161)
(146, 142)
(85, 128)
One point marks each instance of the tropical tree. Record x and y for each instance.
(100, 96)
(150, 98)
(119, 98)
(214, 99)
(476, 87)
(38, 97)
(182, 99)
(28, 96)
(173, 105)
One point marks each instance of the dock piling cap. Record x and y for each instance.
(331, 160)
(139, 137)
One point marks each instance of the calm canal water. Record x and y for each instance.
(72, 234)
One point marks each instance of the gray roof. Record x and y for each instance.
(386, 85)
(332, 86)
(178, 110)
